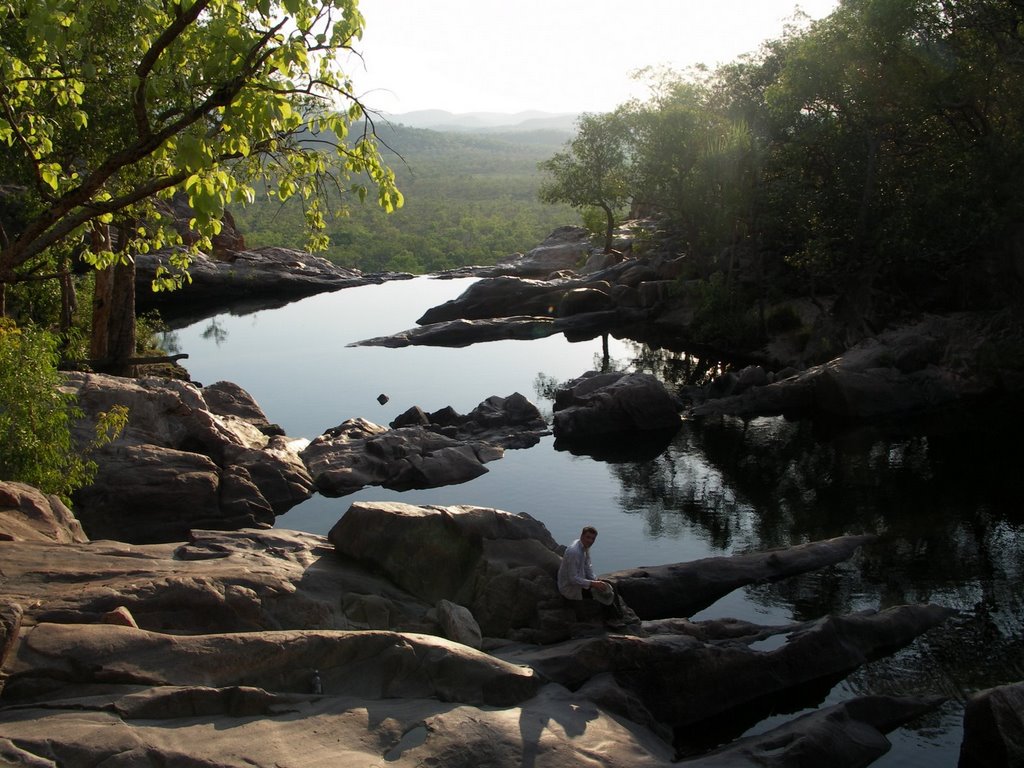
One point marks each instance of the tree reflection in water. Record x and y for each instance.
(943, 496)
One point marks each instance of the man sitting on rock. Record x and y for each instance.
(576, 580)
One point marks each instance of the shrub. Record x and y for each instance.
(35, 416)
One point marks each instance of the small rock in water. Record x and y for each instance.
(382, 398)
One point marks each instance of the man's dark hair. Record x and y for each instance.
(589, 529)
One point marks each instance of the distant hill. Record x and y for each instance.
(441, 120)
(470, 198)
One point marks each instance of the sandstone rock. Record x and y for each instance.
(499, 565)
(587, 299)
(358, 453)
(234, 623)
(185, 465)
(458, 624)
(682, 681)
(422, 450)
(220, 581)
(28, 514)
(225, 398)
(500, 297)
(120, 616)
(915, 369)
(683, 589)
(604, 403)
(11, 614)
(994, 728)
(253, 279)
(242, 727)
(507, 422)
(847, 735)
(564, 248)
(51, 657)
(461, 333)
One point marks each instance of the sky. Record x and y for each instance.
(561, 56)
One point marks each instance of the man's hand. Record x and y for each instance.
(600, 586)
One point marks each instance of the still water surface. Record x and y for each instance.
(946, 501)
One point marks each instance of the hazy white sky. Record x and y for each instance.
(550, 55)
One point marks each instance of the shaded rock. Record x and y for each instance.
(500, 297)
(915, 369)
(422, 450)
(603, 403)
(683, 589)
(587, 299)
(499, 565)
(462, 333)
(178, 464)
(458, 624)
(508, 422)
(847, 735)
(244, 280)
(28, 514)
(358, 453)
(564, 248)
(235, 622)
(994, 728)
(11, 614)
(683, 681)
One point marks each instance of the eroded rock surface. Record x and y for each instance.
(421, 450)
(683, 589)
(28, 514)
(614, 402)
(178, 464)
(206, 651)
(244, 281)
(499, 565)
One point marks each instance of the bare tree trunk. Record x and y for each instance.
(609, 229)
(113, 317)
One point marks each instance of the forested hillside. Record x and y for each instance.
(470, 198)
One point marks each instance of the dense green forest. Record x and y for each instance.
(470, 198)
(875, 155)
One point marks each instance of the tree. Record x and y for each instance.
(593, 171)
(108, 107)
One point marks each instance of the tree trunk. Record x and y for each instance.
(113, 318)
(609, 229)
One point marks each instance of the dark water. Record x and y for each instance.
(944, 499)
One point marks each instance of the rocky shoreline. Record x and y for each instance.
(342, 649)
(168, 622)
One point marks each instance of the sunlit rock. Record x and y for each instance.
(28, 514)
(179, 465)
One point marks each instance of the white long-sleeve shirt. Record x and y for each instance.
(575, 573)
